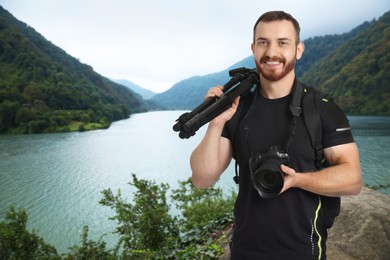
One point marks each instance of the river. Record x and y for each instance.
(58, 178)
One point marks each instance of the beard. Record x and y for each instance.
(271, 74)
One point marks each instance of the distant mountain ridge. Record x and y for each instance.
(353, 67)
(43, 89)
(189, 93)
(145, 93)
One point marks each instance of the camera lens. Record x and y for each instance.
(268, 179)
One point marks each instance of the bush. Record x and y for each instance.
(146, 229)
(204, 213)
(90, 249)
(202, 207)
(17, 243)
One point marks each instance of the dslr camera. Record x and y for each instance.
(267, 178)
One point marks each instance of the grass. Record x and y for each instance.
(75, 126)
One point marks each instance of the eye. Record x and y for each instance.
(283, 43)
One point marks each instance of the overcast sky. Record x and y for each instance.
(156, 43)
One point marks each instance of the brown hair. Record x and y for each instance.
(278, 16)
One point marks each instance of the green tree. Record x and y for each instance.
(8, 110)
(145, 228)
(16, 242)
(204, 213)
(90, 249)
(202, 207)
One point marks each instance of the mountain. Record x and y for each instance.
(357, 73)
(353, 67)
(145, 93)
(317, 48)
(189, 93)
(43, 89)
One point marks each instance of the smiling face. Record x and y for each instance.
(275, 49)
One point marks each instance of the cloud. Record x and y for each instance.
(157, 43)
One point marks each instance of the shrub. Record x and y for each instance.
(16, 242)
(145, 228)
(90, 249)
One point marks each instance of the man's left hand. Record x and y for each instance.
(289, 177)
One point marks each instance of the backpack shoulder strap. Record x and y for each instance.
(234, 123)
(242, 109)
(312, 104)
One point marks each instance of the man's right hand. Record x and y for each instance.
(226, 115)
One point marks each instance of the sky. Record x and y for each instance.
(157, 43)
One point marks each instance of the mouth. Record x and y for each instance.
(274, 61)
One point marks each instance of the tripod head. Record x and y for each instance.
(242, 80)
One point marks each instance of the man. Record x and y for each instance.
(292, 225)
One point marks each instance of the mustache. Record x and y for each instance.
(273, 58)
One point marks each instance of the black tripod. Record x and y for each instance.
(242, 79)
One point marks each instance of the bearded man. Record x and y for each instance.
(294, 223)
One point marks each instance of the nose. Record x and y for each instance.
(271, 50)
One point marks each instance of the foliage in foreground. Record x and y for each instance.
(16, 242)
(146, 228)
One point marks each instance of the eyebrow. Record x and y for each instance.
(279, 39)
(284, 39)
(261, 39)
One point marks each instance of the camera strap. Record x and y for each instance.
(296, 110)
(306, 101)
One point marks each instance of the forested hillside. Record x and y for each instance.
(43, 89)
(353, 67)
(317, 48)
(357, 73)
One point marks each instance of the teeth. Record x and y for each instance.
(272, 62)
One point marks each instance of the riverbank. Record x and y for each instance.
(362, 230)
(58, 178)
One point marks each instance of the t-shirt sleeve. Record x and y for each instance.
(226, 132)
(336, 128)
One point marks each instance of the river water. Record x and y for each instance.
(58, 178)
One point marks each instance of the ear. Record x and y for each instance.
(253, 47)
(300, 50)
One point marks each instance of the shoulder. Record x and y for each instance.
(315, 101)
(321, 103)
(336, 129)
(320, 110)
(315, 95)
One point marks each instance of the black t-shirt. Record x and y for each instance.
(294, 224)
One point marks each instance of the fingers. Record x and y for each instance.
(287, 169)
(214, 92)
(236, 101)
(228, 114)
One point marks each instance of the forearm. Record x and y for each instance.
(338, 180)
(344, 177)
(208, 160)
(213, 154)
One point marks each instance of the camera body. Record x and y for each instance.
(267, 178)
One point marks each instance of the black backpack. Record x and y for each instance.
(306, 100)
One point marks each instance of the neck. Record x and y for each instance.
(277, 89)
